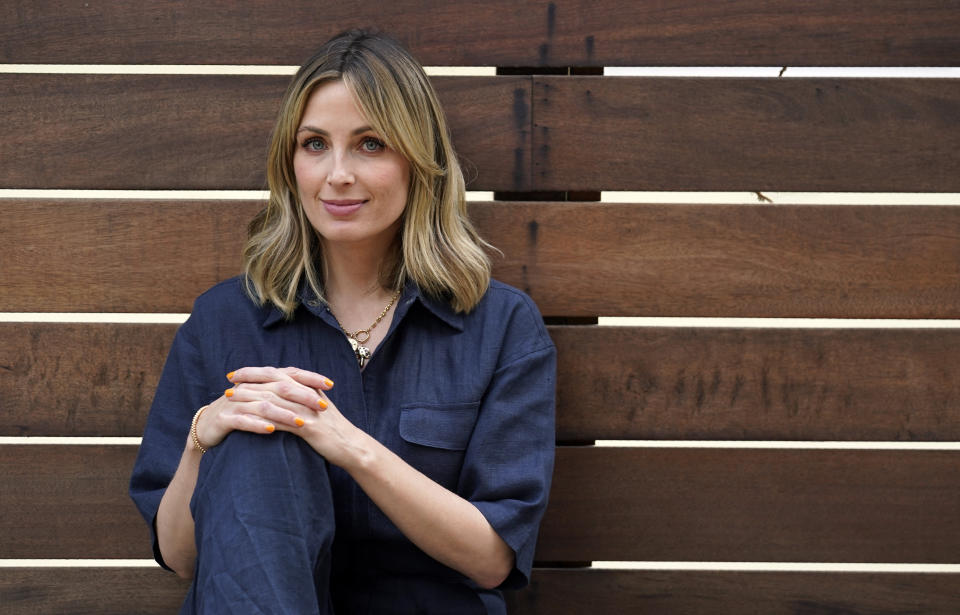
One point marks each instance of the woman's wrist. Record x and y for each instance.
(194, 437)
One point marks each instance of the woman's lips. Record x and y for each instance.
(342, 207)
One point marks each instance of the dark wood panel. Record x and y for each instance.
(559, 33)
(85, 379)
(145, 591)
(608, 592)
(212, 132)
(746, 134)
(574, 259)
(60, 379)
(607, 504)
(105, 591)
(753, 505)
(118, 256)
(757, 384)
(584, 259)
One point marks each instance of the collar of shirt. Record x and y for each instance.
(411, 294)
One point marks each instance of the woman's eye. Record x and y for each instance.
(313, 144)
(371, 145)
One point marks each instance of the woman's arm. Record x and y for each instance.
(174, 521)
(444, 525)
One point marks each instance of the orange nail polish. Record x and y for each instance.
(228, 392)
(328, 382)
(322, 404)
(230, 375)
(298, 421)
(270, 428)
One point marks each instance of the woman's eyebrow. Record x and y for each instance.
(320, 131)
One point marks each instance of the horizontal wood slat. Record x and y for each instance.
(735, 593)
(121, 591)
(212, 132)
(606, 503)
(753, 505)
(757, 384)
(583, 133)
(575, 259)
(746, 134)
(559, 33)
(60, 379)
(611, 259)
(105, 591)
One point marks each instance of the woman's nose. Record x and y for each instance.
(341, 171)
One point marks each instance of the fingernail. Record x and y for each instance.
(322, 404)
(228, 392)
(269, 428)
(298, 421)
(230, 375)
(328, 382)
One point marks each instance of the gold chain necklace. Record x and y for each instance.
(359, 337)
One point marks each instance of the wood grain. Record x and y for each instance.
(105, 591)
(734, 593)
(151, 591)
(212, 132)
(895, 135)
(753, 505)
(63, 379)
(499, 32)
(574, 259)
(583, 133)
(606, 503)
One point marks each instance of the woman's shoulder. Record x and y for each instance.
(514, 313)
(228, 301)
(502, 298)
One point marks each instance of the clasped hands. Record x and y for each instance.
(265, 399)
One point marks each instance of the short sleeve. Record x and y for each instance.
(509, 461)
(179, 394)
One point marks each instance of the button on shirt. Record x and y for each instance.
(467, 399)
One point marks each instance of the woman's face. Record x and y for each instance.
(352, 187)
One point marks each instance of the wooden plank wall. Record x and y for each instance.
(705, 526)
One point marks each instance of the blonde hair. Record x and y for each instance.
(437, 247)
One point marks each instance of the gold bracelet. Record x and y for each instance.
(193, 430)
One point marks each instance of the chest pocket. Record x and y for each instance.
(443, 426)
(433, 439)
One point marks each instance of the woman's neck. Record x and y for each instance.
(352, 283)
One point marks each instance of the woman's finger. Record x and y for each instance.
(290, 395)
(276, 374)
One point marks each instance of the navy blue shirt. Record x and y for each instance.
(467, 399)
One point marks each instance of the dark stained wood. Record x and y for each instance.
(607, 503)
(574, 259)
(151, 591)
(734, 593)
(502, 33)
(609, 259)
(896, 135)
(118, 256)
(753, 505)
(757, 384)
(69, 502)
(90, 379)
(62, 379)
(201, 132)
(105, 591)
(212, 132)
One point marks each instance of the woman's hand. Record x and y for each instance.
(262, 400)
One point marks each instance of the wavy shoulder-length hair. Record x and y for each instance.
(437, 246)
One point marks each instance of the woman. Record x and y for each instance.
(385, 440)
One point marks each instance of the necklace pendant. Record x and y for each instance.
(354, 344)
(363, 353)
